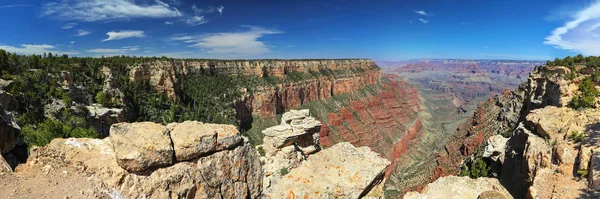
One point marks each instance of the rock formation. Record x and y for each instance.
(296, 167)
(138, 161)
(462, 188)
(550, 148)
(267, 101)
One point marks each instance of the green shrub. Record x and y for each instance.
(582, 172)
(577, 136)
(261, 151)
(476, 169)
(284, 171)
(587, 97)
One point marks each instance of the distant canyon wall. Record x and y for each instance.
(267, 101)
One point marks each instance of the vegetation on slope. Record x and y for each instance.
(37, 81)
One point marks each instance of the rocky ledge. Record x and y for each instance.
(463, 188)
(143, 160)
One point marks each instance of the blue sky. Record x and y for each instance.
(377, 29)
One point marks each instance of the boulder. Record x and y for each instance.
(54, 109)
(141, 146)
(287, 117)
(233, 173)
(101, 118)
(228, 137)
(342, 171)
(8, 101)
(451, 187)
(192, 139)
(495, 148)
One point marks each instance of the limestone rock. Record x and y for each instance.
(228, 137)
(101, 118)
(234, 173)
(451, 187)
(537, 155)
(333, 173)
(556, 123)
(192, 139)
(8, 101)
(594, 172)
(9, 131)
(287, 117)
(4, 166)
(140, 146)
(54, 109)
(231, 173)
(496, 146)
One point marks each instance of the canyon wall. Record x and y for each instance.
(337, 76)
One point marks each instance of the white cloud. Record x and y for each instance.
(98, 10)
(196, 20)
(220, 9)
(424, 21)
(69, 26)
(122, 50)
(168, 23)
(421, 12)
(81, 32)
(28, 49)
(244, 42)
(124, 34)
(16, 5)
(209, 9)
(581, 34)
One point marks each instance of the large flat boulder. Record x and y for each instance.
(454, 187)
(140, 146)
(192, 139)
(342, 171)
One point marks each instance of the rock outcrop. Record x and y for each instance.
(138, 161)
(462, 188)
(341, 171)
(296, 166)
(102, 118)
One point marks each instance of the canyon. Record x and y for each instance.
(418, 121)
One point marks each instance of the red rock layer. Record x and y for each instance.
(384, 122)
(269, 101)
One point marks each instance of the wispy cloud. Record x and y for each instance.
(424, 21)
(581, 34)
(168, 23)
(124, 34)
(69, 26)
(220, 9)
(196, 20)
(244, 42)
(122, 50)
(81, 32)
(207, 10)
(421, 12)
(16, 5)
(98, 10)
(28, 49)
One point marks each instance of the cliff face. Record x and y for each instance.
(548, 146)
(267, 101)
